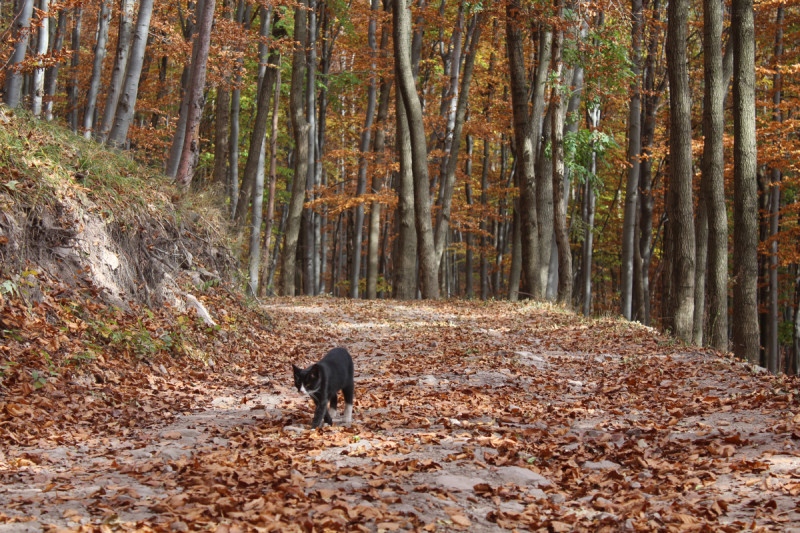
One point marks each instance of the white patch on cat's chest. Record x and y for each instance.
(303, 390)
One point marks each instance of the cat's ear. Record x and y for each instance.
(314, 372)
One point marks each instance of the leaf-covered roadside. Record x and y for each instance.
(468, 416)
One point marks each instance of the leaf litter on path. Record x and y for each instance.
(468, 417)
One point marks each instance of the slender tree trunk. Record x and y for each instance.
(701, 264)
(589, 212)
(309, 219)
(20, 36)
(419, 155)
(559, 200)
(125, 35)
(361, 186)
(300, 127)
(448, 182)
(273, 178)
(41, 50)
(72, 90)
(191, 145)
(255, 160)
(713, 176)
(680, 182)
(468, 267)
(97, 67)
(543, 176)
(634, 162)
(484, 227)
(773, 346)
(51, 77)
(745, 203)
(130, 88)
(377, 181)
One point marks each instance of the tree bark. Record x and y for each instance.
(72, 90)
(21, 36)
(713, 176)
(273, 165)
(419, 151)
(191, 144)
(125, 35)
(448, 182)
(524, 154)
(745, 204)
(300, 127)
(42, 44)
(680, 182)
(130, 88)
(772, 344)
(634, 162)
(97, 67)
(405, 286)
(51, 77)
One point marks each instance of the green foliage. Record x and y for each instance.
(578, 149)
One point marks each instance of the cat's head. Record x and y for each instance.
(306, 380)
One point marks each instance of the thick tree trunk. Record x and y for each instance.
(125, 35)
(524, 154)
(419, 151)
(634, 162)
(405, 286)
(543, 176)
(21, 36)
(745, 203)
(97, 67)
(713, 176)
(130, 87)
(300, 127)
(680, 183)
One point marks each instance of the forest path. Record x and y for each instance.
(467, 416)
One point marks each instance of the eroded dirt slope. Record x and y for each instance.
(468, 416)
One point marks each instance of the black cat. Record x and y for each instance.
(323, 381)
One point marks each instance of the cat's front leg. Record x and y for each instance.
(320, 414)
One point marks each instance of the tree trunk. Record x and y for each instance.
(300, 127)
(588, 219)
(559, 200)
(72, 116)
(745, 204)
(773, 346)
(255, 159)
(680, 181)
(41, 50)
(524, 154)
(543, 176)
(405, 286)
(448, 182)
(51, 77)
(191, 144)
(310, 218)
(125, 35)
(273, 165)
(419, 155)
(701, 263)
(130, 88)
(377, 181)
(361, 184)
(713, 176)
(20, 36)
(634, 162)
(97, 67)
(484, 227)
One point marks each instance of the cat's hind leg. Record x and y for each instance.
(348, 403)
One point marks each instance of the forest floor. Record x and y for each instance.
(468, 416)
